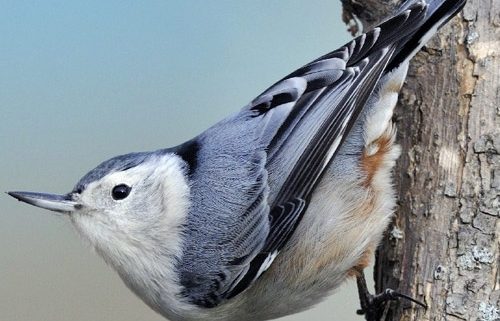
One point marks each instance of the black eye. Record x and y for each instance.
(120, 191)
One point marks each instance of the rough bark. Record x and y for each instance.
(443, 246)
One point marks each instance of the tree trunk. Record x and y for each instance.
(443, 246)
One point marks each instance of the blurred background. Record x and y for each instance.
(82, 81)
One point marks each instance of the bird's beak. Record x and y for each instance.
(53, 202)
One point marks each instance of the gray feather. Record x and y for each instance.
(257, 169)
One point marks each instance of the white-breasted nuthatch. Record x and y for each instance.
(265, 213)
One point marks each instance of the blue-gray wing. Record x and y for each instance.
(255, 172)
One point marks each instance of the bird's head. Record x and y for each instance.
(131, 208)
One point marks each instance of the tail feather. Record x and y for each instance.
(438, 13)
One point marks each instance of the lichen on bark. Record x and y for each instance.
(448, 178)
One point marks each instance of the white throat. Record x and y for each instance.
(143, 241)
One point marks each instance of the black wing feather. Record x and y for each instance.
(292, 200)
(346, 91)
(312, 108)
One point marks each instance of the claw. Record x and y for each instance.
(393, 295)
(372, 306)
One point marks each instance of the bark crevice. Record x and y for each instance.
(443, 245)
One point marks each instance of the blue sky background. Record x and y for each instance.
(82, 81)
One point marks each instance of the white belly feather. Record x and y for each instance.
(347, 215)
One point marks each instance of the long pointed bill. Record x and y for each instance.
(53, 202)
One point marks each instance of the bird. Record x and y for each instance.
(268, 211)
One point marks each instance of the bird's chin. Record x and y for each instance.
(92, 228)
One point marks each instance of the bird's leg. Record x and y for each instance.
(372, 306)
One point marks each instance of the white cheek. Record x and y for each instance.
(176, 196)
(142, 247)
(157, 203)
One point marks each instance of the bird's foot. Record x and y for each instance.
(373, 306)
